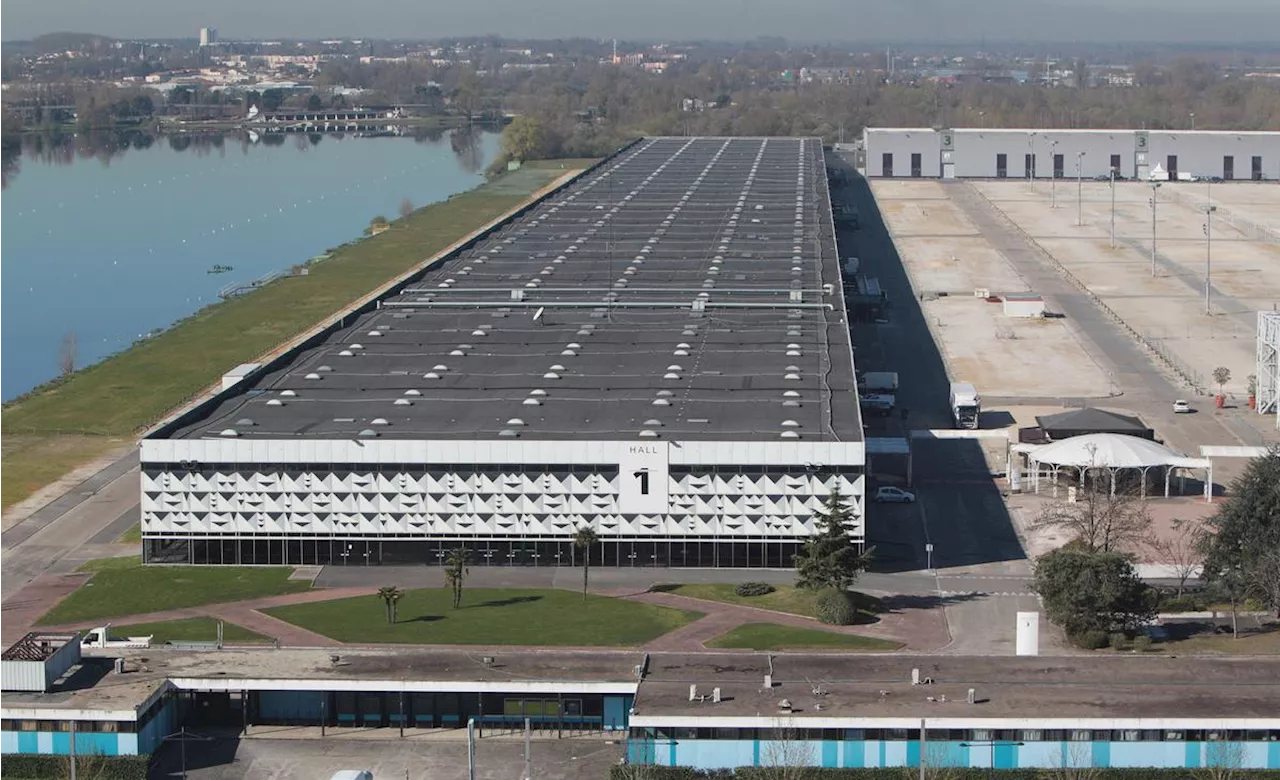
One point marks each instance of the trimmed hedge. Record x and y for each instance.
(835, 608)
(753, 589)
(896, 773)
(18, 766)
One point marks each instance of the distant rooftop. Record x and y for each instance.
(688, 288)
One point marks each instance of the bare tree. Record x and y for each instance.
(1077, 764)
(406, 208)
(1180, 552)
(937, 763)
(1101, 520)
(91, 765)
(786, 756)
(1223, 761)
(67, 353)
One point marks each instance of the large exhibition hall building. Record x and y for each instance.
(659, 350)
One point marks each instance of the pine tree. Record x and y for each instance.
(829, 558)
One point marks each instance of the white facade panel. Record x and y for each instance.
(976, 152)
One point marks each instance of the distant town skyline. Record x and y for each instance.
(1065, 21)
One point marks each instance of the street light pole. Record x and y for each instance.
(1079, 188)
(1053, 175)
(1155, 188)
(1113, 208)
(1193, 120)
(1208, 251)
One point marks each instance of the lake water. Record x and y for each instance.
(110, 240)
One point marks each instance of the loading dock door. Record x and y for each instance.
(948, 170)
(1171, 165)
(886, 165)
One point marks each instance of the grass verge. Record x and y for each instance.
(771, 636)
(123, 586)
(490, 616)
(31, 461)
(787, 598)
(190, 630)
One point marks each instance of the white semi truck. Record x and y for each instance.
(884, 382)
(966, 405)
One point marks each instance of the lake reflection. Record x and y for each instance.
(110, 236)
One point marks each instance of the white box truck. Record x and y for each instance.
(966, 406)
(885, 382)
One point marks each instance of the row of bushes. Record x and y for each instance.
(631, 772)
(40, 767)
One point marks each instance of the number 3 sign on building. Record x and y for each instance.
(642, 476)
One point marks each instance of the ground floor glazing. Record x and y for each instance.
(333, 551)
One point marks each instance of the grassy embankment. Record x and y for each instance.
(65, 424)
(490, 616)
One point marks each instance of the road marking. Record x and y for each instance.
(1005, 593)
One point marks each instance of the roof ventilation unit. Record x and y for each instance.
(312, 376)
(431, 375)
(479, 333)
(368, 433)
(246, 422)
(275, 402)
(440, 367)
(538, 392)
(551, 375)
(648, 434)
(379, 421)
(653, 422)
(674, 367)
(557, 367)
(412, 392)
(531, 402)
(402, 402)
(515, 422)
(229, 432)
(661, 402)
(792, 377)
(665, 394)
(670, 376)
(790, 424)
(288, 393)
(681, 353)
(356, 346)
(507, 433)
(790, 394)
(790, 435)
(374, 333)
(568, 353)
(346, 353)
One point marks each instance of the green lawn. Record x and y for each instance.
(490, 617)
(189, 630)
(122, 586)
(770, 636)
(137, 387)
(787, 598)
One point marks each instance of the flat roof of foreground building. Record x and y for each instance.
(851, 686)
(687, 286)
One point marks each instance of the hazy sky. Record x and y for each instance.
(800, 20)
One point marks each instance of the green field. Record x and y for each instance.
(490, 617)
(189, 630)
(787, 598)
(770, 636)
(123, 586)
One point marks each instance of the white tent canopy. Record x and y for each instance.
(1110, 452)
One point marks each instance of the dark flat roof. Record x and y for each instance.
(880, 686)
(614, 263)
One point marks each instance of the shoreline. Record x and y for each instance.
(135, 389)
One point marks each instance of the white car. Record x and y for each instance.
(1181, 407)
(895, 495)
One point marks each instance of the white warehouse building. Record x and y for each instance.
(1019, 153)
(659, 351)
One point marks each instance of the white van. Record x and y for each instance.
(353, 774)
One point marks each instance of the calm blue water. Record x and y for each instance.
(111, 247)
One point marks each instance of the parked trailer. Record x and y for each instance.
(966, 405)
(878, 382)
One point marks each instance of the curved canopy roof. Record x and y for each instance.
(1108, 450)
